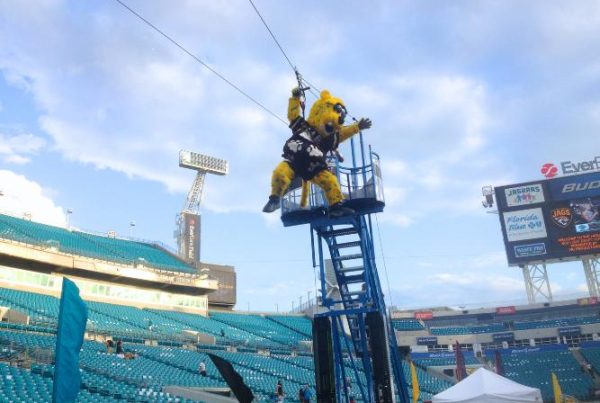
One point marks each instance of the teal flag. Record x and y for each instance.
(72, 317)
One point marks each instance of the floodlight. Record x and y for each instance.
(488, 193)
(201, 162)
(188, 221)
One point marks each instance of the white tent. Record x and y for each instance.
(484, 386)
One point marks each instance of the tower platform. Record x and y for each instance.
(362, 188)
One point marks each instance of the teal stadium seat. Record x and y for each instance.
(94, 246)
(407, 324)
(535, 368)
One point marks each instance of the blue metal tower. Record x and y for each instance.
(363, 340)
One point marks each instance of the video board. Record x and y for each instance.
(550, 220)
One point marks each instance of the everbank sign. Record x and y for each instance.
(550, 170)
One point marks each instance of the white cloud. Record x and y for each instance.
(131, 104)
(18, 149)
(460, 288)
(491, 282)
(431, 134)
(22, 196)
(397, 219)
(582, 288)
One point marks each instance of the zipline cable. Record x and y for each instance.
(298, 76)
(273, 36)
(196, 58)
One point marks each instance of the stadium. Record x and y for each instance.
(97, 100)
(167, 315)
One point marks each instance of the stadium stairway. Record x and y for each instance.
(582, 358)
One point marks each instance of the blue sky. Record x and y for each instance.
(94, 107)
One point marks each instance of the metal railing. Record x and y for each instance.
(356, 183)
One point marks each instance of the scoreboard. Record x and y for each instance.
(550, 220)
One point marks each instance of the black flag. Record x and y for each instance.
(236, 383)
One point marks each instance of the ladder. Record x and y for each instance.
(352, 259)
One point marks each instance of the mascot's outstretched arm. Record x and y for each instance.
(348, 131)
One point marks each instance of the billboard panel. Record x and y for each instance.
(506, 336)
(524, 224)
(189, 237)
(424, 315)
(227, 291)
(522, 195)
(427, 341)
(506, 310)
(550, 220)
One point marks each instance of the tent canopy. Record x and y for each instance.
(484, 386)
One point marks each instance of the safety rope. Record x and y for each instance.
(387, 279)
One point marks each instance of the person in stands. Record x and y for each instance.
(301, 395)
(109, 346)
(307, 394)
(279, 391)
(202, 368)
(119, 347)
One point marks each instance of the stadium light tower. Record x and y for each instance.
(188, 221)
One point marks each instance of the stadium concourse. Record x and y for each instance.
(157, 305)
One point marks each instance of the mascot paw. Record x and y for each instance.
(364, 123)
(272, 205)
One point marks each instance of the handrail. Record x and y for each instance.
(363, 182)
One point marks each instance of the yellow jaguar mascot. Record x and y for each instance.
(304, 153)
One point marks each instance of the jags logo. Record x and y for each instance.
(562, 216)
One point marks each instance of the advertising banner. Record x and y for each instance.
(427, 341)
(505, 310)
(442, 354)
(575, 187)
(569, 331)
(527, 350)
(524, 224)
(190, 242)
(507, 336)
(587, 301)
(424, 315)
(523, 195)
(551, 220)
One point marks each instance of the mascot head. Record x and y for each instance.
(327, 114)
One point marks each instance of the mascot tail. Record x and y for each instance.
(305, 192)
